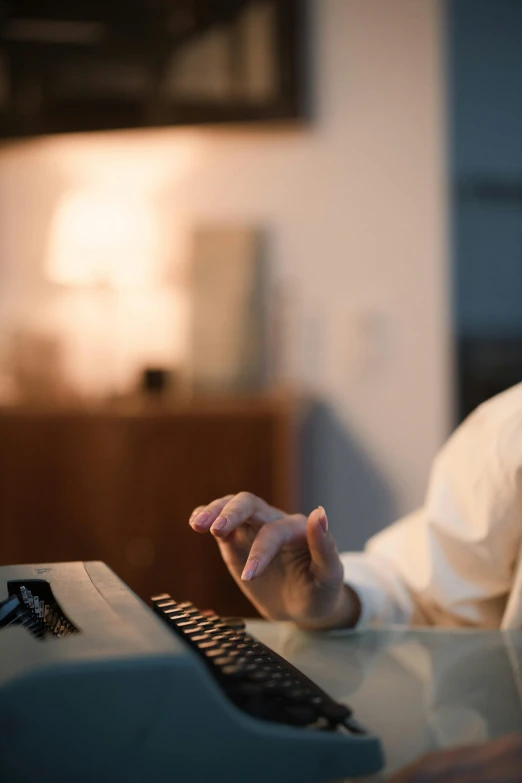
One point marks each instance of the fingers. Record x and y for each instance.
(223, 516)
(241, 508)
(196, 513)
(203, 516)
(326, 564)
(268, 542)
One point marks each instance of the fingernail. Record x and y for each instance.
(323, 519)
(218, 525)
(200, 520)
(249, 570)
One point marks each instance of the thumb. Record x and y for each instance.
(326, 564)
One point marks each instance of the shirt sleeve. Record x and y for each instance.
(452, 562)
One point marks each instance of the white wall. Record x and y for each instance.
(355, 207)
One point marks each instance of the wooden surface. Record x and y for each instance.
(120, 487)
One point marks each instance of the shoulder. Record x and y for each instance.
(491, 435)
(500, 411)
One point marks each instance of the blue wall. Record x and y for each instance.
(485, 94)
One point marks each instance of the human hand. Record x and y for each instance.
(286, 564)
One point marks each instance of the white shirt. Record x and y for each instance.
(457, 561)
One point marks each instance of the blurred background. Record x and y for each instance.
(271, 245)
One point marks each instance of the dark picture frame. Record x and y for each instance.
(89, 66)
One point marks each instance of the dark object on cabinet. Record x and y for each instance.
(120, 488)
(108, 64)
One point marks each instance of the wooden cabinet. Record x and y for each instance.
(120, 487)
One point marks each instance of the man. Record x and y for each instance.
(455, 562)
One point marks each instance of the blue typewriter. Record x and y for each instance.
(98, 687)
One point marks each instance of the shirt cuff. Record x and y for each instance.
(384, 601)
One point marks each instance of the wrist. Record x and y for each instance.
(345, 614)
(348, 610)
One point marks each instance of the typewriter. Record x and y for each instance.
(98, 687)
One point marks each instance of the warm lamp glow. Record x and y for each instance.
(100, 239)
(112, 305)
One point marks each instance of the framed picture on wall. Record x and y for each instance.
(78, 65)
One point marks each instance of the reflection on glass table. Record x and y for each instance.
(419, 690)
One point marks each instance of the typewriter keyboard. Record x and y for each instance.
(254, 677)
